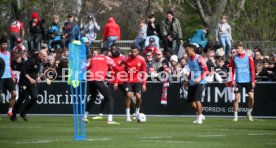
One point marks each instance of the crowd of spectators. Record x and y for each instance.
(159, 43)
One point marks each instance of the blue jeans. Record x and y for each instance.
(137, 43)
(225, 42)
(110, 40)
(156, 38)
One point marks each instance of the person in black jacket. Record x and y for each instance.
(38, 31)
(29, 78)
(153, 31)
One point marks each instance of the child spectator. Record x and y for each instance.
(224, 35)
(142, 34)
(151, 47)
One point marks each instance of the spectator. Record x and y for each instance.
(153, 31)
(221, 66)
(85, 41)
(233, 52)
(95, 52)
(258, 54)
(149, 61)
(54, 33)
(211, 60)
(183, 62)
(19, 48)
(261, 72)
(199, 37)
(272, 57)
(157, 63)
(171, 31)
(14, 32)
(151, 47)
(51, 62)
(90, 29)
(175, 69)
(224, 35)
(111, 32)
(70, 30)
(142, 34)
(38, 31)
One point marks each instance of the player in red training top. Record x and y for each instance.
(135, 66)
(98, 69)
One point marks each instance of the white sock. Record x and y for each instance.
(86, 114)
(127, 112)
(235, 114)
(137, 111)
(109, 118)
(250, 110)
(10, 110)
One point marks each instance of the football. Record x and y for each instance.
(141, 117)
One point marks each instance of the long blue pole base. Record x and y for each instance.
(79, 138)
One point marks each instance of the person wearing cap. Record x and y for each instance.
(111, 32)
(38, 31)
(151, 47)
(90, 29)
(70, 30)
(14, 31)
(54, 33)
(153, 31)
(170, 31)
(19, 48)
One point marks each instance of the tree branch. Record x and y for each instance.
(191, 5)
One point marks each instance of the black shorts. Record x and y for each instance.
(134, 87)
(7, 84)
(247, 86)
(195, 92)
(124, 87)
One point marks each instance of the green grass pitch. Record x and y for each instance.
(157, 132)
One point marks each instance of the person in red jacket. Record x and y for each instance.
(135, 66)
(111, 32)
(98, 67)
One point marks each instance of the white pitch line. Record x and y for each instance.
(211, 135)
(259, 134)
(100, 139)
(166, 141)
(157, 137)
(36, 141)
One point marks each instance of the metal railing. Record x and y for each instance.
(267, 46)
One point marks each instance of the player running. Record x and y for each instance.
(243, 68)
(98, 67)
(135, 67)
(6, 81)
(197, 80)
